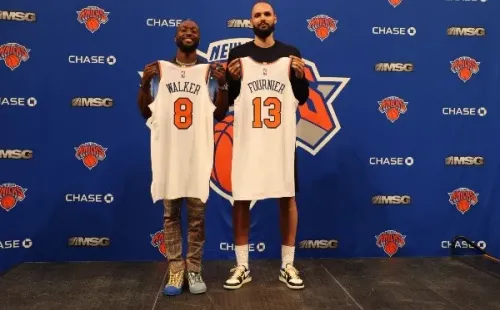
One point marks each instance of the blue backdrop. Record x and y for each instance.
(397, 146)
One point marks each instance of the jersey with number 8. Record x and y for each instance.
(182, 140)
(264, 132)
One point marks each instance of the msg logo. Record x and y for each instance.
(464, 161)
(92, 102)
(239, 23)
(391, 200)
(89, 241)
(16, 154)
(466, 32)
(394, 67)
(17, 16)
(318, 244)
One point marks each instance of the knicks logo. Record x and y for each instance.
(390, 241)
(322, 25)
(93, 17)
(90, 153)
(463, 198)
(158, 241)
(317, 122)
(392, 107)
(465, 67)
(10, 195)
(13, 54)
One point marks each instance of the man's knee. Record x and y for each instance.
(196, 205)
(171, 208)
(287, 203)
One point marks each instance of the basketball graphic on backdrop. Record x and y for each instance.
(223, 154)
(392, 114)
(92, 24)
(90, 160)
(391, 248)
(12, 61)
(463, 206)
(8, 202)
(322, 32)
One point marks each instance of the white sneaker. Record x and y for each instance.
(196, 283)
(290, 276)
(240, 276)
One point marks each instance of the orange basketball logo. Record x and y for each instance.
(392, 107)
(463, 198)
(322, 25)
(465, 67)
(90, 153)
(223, 154)
(395, 3)
(13, 54)
(390, 241)
(158, 241)
(93, 17)
(10, 195)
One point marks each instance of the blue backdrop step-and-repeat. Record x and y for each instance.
(397, 145)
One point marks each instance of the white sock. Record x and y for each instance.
(242, 255)
(287, 255)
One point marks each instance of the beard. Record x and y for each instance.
(187, 48)
(263, 33)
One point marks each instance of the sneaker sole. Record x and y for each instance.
(196, 292)
(235, 287)
(293, 287)
(171, 294)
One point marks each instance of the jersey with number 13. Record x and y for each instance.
(264, 131)
(182, 140)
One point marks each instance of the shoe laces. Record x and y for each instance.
(237, 271)
(175, 278)
(195, 277)
(292, 271)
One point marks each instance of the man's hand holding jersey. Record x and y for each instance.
(149, 71)
(298, 65)
(217, 72)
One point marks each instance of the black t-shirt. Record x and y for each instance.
(279, 49)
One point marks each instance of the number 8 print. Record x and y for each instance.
(183, 113)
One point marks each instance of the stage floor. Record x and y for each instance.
(397, 283)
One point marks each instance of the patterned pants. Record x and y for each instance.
(173, 233)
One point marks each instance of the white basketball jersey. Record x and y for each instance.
(264, 132)
(182, 139)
